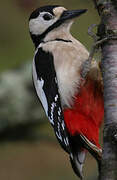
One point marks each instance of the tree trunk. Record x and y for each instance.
(107, 10)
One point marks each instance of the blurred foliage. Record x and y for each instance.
(20, 111)
(18, 101)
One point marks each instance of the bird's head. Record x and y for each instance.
(48, 18)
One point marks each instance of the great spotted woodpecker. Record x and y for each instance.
(73, 104)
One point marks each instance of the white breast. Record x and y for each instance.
(68, 58)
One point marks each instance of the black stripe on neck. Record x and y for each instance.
(64, 40)
(37, 39)
(57, 39)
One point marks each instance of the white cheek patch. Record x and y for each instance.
(38, 25)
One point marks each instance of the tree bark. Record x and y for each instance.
(107, 10)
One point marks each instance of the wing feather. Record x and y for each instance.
(45, 82)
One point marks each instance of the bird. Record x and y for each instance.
(71, 96)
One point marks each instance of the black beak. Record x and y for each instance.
(70, 14)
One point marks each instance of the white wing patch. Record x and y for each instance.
(51, 118)
(53, 105)
(39, 89)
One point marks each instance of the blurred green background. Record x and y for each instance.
(30, 151)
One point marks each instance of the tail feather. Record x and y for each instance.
(80, 146)
(77, 162)
(93, 149)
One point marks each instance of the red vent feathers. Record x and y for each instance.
(86, 115)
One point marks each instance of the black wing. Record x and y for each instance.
(45, 82)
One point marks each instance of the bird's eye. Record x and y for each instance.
(47, 17)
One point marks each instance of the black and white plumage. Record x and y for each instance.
(57, 79)
(46, 85)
